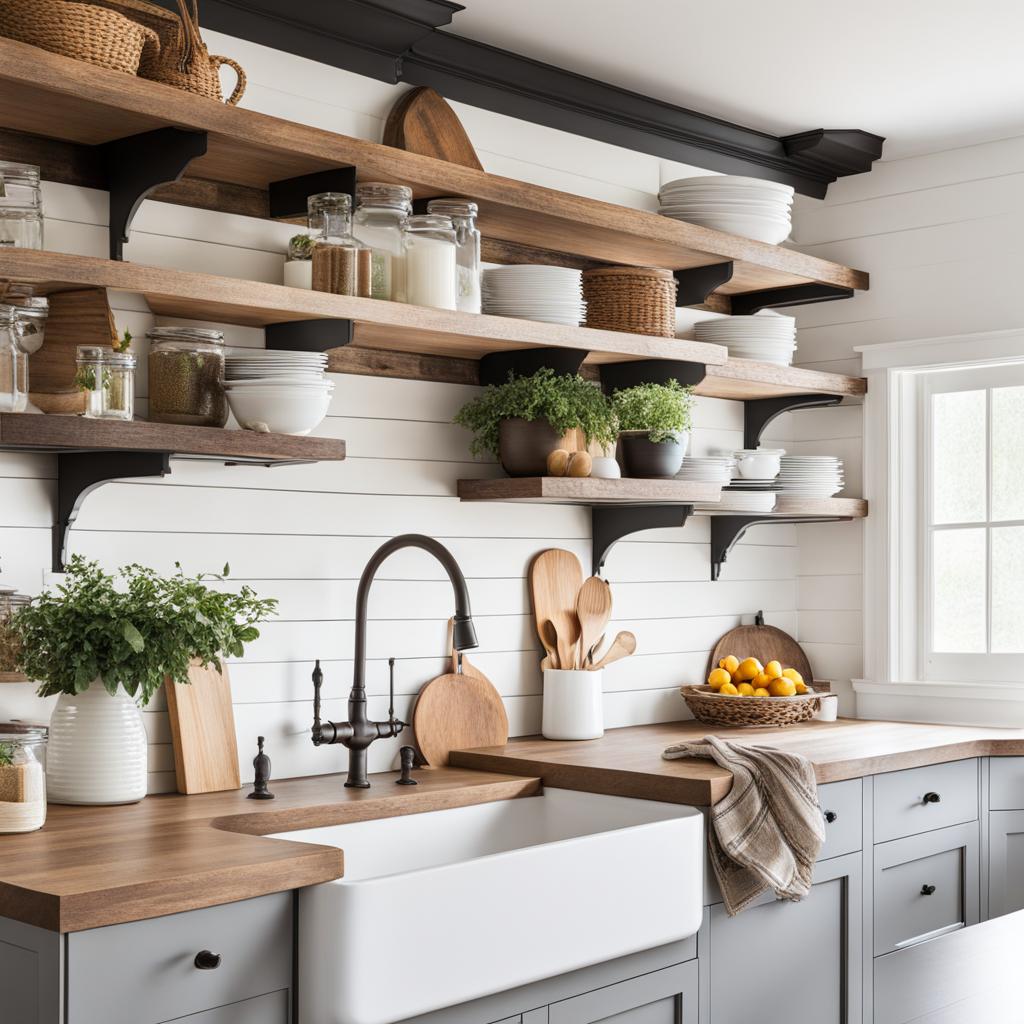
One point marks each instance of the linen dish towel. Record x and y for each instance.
(767, 831)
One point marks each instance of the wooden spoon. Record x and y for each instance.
(555, 580)
(550, 640)
(622, 646)
(593, 609)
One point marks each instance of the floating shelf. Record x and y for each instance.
(588, 491)
(242, 153)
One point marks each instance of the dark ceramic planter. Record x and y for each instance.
(524, 446)
(652, 460)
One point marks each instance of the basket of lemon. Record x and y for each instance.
(745, 692)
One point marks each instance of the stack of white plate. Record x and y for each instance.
(713, 469)
(277, 392)
(725, 202)
(739, 501)
(551, 294)
(810, 476)
(768, 337)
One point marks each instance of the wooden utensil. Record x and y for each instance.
(203, 732)
(766, 643)
(593, 609)
(423, 122)
(622, 646)
(550, 645)
(555, 580)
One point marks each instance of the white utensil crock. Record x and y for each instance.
(97, 749)
(573, 704)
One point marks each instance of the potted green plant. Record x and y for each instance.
(103, 644)
(523, 420)
(654, 428)
(298, 265)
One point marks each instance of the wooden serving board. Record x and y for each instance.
(766, 643)
(203, 732)
(423, 122)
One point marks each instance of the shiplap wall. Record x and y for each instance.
(303, 534)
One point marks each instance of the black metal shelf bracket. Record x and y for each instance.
(746, 303)
(615, 376)
(136, 165)
(524, 362)
(79, 473)
(288, 197)
(309, 335)
(610, 523)
(759, 412)
(695, 284)
(726, 532)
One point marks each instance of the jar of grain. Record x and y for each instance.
(341, 265)
(381, 211)
(186, 376)
(22, 780)
(430, 261)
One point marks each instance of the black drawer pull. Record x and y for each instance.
(207, 961)
(931, 798)
(831, 816)
(927, 890)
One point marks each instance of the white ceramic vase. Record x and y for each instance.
(96, 752)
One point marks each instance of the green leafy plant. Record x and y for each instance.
(85, 378)
(6, 755)
(300, 247)
(662, 410)
(566, 401)
(133, 628)
(125, 343)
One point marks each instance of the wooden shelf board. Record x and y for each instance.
(13, 677)
(56, 97)
(588, 491)
(787, 507)
(26, 432)
(743, 379)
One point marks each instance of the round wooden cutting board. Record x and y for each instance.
(458, 712)
(766, 643)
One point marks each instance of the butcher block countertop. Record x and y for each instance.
(628, 762)
(94, 866)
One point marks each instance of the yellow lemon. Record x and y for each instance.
(728, 688)
(791, 673)
(773, 670)
(761, 679)
(748, 668)
(761, 692)
(745, 690)
(730, 663)
(801, 686)
(718, 677)
(782, 687)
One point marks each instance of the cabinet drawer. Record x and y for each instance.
(269, 1009)
(841, 803)
(145, 972)
(925, 885)
(1006, 784)
(920, 800)
(668, 996)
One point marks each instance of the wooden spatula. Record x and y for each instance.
(555, 580)
(622, 646)
(593, 609)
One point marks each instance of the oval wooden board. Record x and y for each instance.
(766, 643)
(458, 712)
(423, 122)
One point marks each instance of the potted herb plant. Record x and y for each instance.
(526, 418)
(654, 428)
(298, 266)
(104, 644)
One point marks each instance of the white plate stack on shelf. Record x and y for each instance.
(553, 295)
(766, 337)
(726, 202)
(810, 476)
(712, 469)
(277, 392)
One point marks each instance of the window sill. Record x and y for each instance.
(953, 703)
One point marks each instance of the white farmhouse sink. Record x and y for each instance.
(446, 906)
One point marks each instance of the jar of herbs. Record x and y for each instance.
(13, 363)
(186, 376)
(430, 265)
(341, 265)
(21, 206)
(108, 380)
(10, 645)
(467, 249)
(381, 211)
(22, 780)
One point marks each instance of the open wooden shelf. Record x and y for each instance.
(12, 677)
(743, 379)
(588, 491)
(73, 102)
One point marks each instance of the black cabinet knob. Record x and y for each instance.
(931, 798)
(831, 816)
(927, 890)
(207, 961)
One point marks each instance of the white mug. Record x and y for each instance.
(828, 707)
(573, 704)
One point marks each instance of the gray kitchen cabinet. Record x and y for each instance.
(271, 1008)
(668, 996)
(1005, 862)
(918, 800)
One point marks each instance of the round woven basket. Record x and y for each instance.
(640, 300)
(726, 709)
(82, 31)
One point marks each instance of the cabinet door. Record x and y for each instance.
(1005, 862)
(661, 997)
(779, 962)
(269, 1009)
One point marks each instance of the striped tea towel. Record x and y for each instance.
(767, 831)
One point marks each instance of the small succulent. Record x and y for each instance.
(6, 755)
(300, 247)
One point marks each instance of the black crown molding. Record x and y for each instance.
(401, 41)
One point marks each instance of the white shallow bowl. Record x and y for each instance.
(730, 181)
(279, 411)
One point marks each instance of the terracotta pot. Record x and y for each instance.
(524, 446)
(654, 460)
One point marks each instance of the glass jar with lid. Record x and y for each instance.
(381, 212)
(341, 265)
(21, 206)
(13, 363)
(186, 376)
(10, 645)
(22, 779)
(32, 312)
(467, 253)
(430, 263)
(108, 380)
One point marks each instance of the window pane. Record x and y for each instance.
(1008, 589)
(958, 457)
(958, 591)
(1007, 446)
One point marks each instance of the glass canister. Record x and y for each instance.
(381, 212)
(21, 206)
(22, 780)
(13, 363)
(10, 645)
(341, 265)
(108, 380)
(186, 376)
(467, 253)
(430, 261)
(32, 312)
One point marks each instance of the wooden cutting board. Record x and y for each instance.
(766, 643)
(203, 732)
(423, 122)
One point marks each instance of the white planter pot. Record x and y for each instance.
(573, 704)
(298, 274)
(96, 752)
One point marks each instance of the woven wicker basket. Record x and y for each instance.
(639, 300)
(726, 709)
(82, 31)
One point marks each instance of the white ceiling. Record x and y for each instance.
(926, 74)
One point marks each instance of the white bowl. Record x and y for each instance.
(279, 410)
(759, 463)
